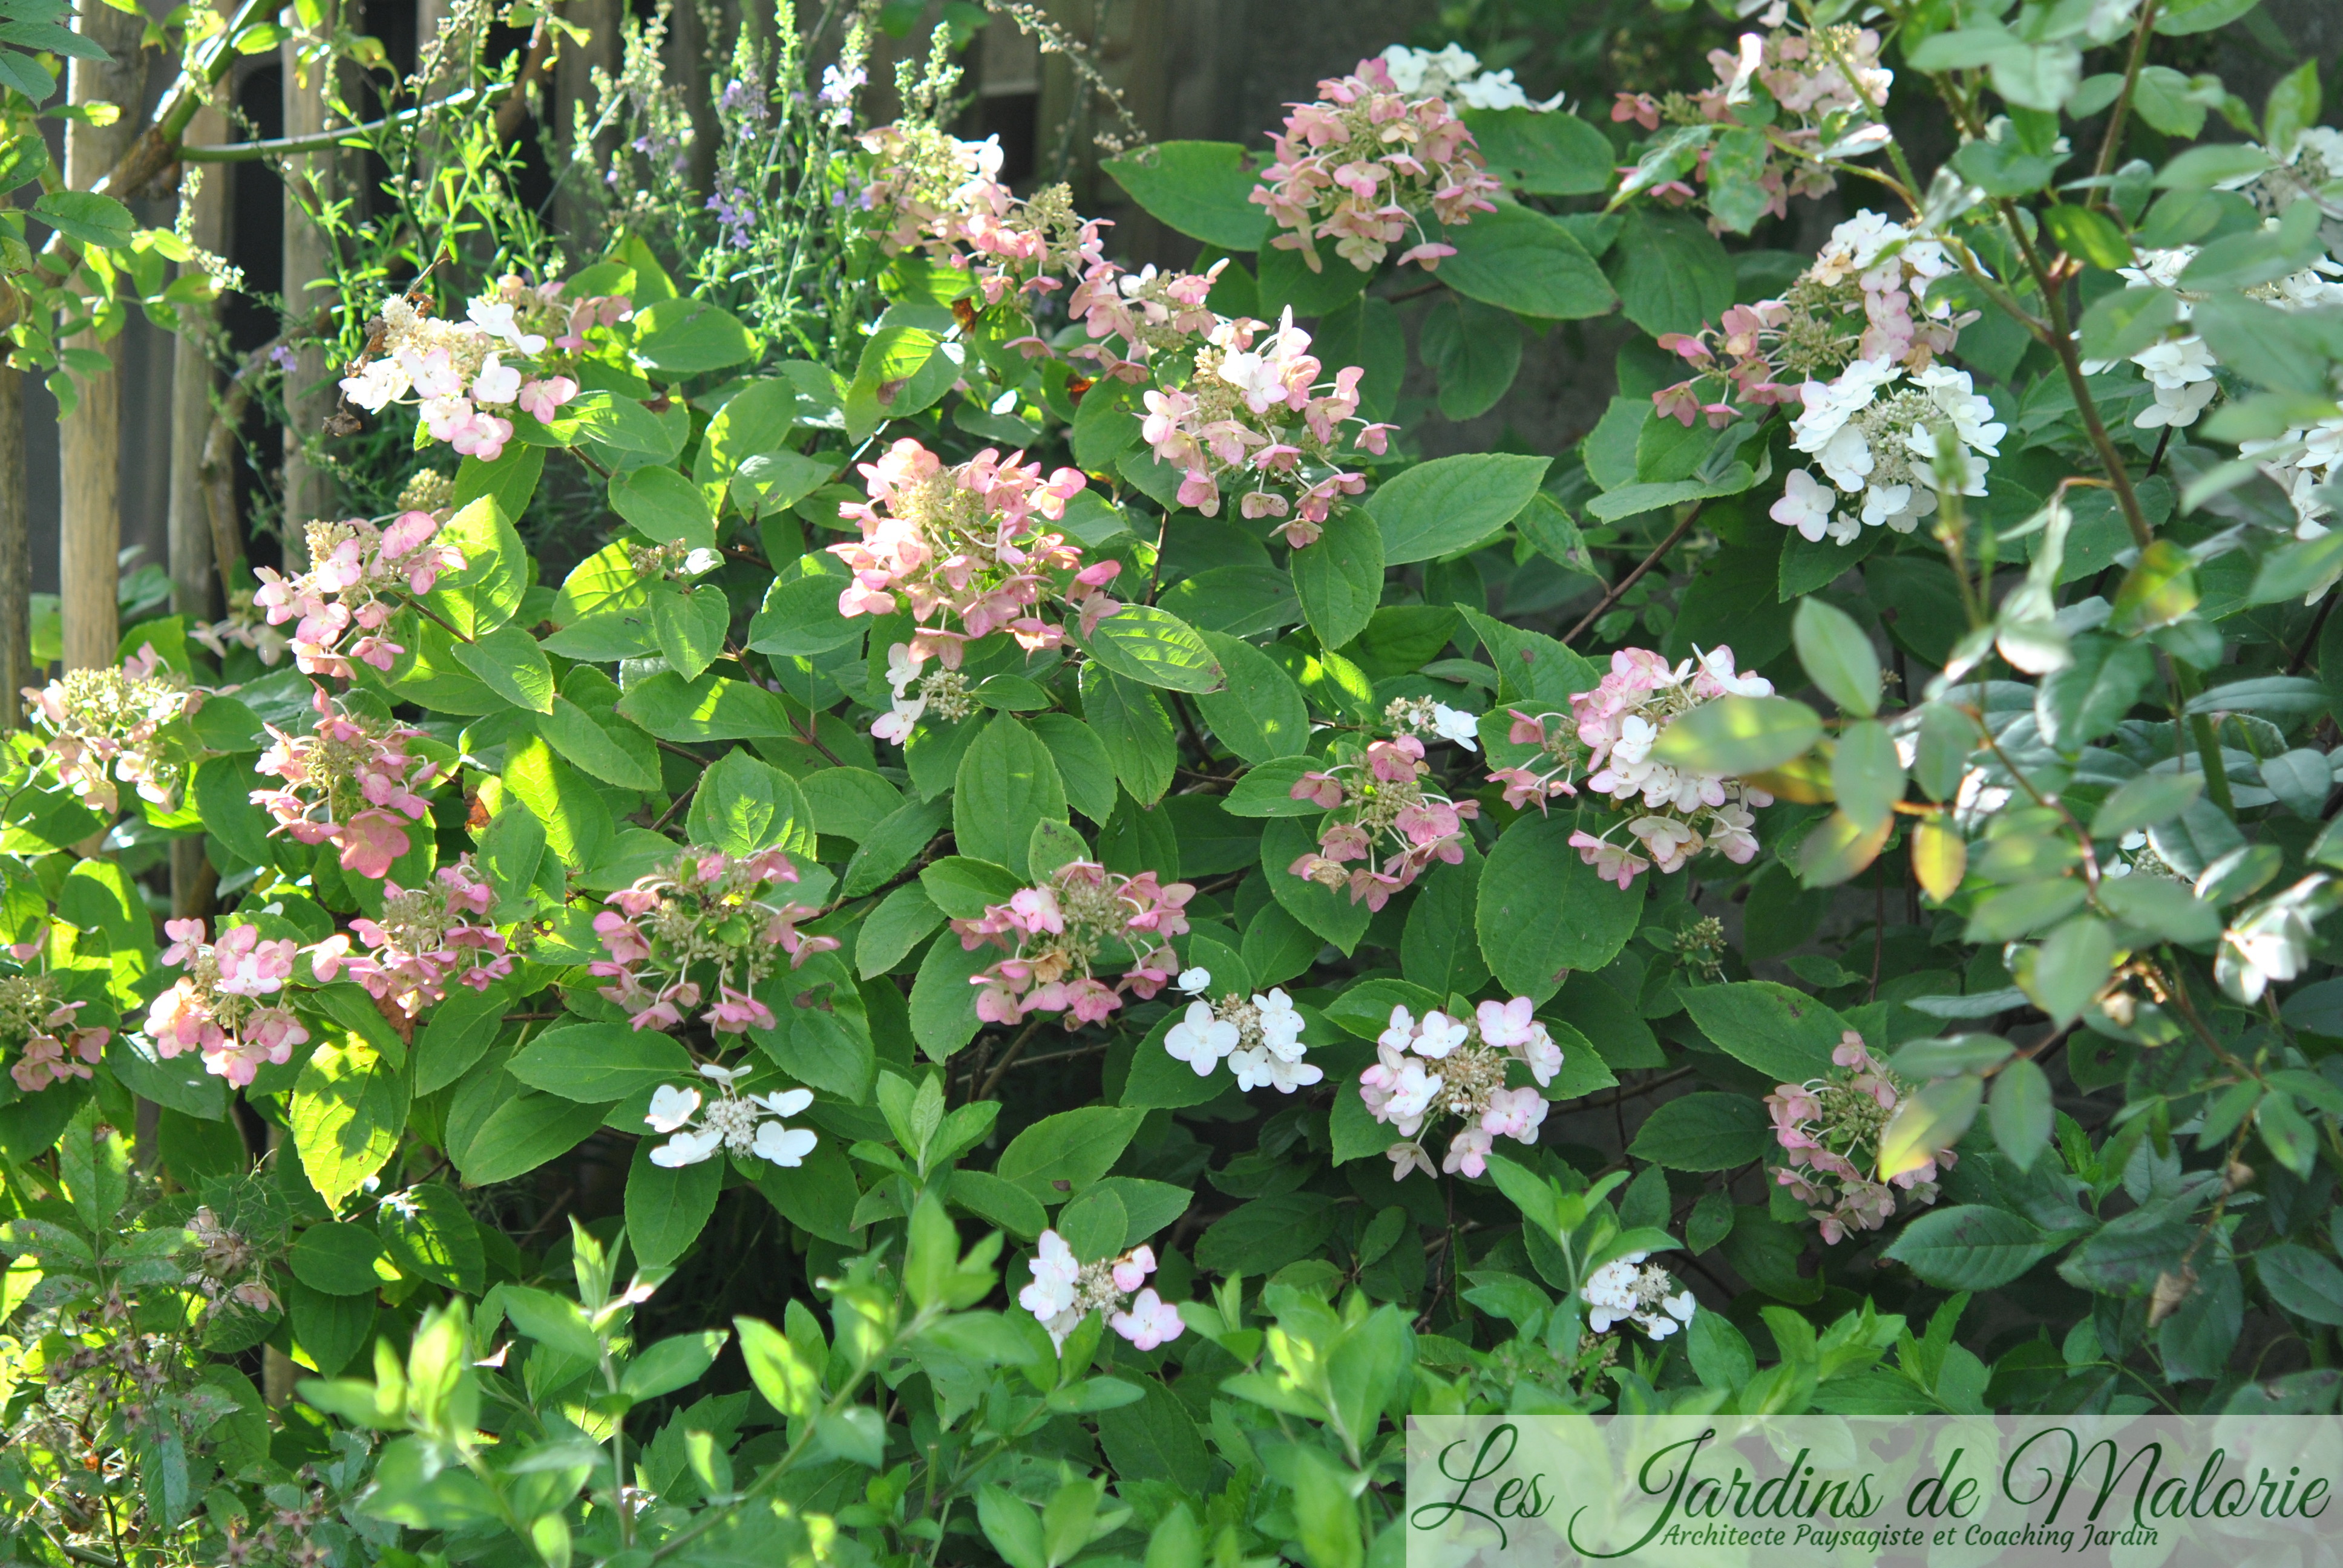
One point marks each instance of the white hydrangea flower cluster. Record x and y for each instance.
(1260, 1037)
(1628, 1290)
(734, 1122)
(1454, 72)
(1874, 433)
(1065, 1290)
(1458, 1066)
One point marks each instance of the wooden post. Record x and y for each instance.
(573, 82)
(193, 570)
(310, 396)
(89, 518)
(15, 554)
(194, 577)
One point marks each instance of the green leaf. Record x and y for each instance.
(1448, 505)
(902, 921)
(597, 1064)
(2076, 704)
(460, 1030)
(999, 1202)
(2021, 1113)
(485, 594)
(587, 744)
(690, 624)
(1784, 1035)
(2071, 967)
(943, 1002)
(1005, 785)
(1739, 735)
(1550, 154)
(510, 664)
(1155, 648)
(431, 1235)
(347, 1110)
(708, 708)
(822, 1037)
(1262, 1237)
(88, 218)
(222, 793)
(2146, 801)
(744, 805)
(1704, 1132)
(906, 365)
(667, 1207)
(1974, 1247)
(1339, 579)
(1737, 197)
(1672, 274)
(1928, 1122)
(1544, 912)
(1474, 349)
(2304, 1283)
(1330, 913)
(1259, 714)
(1203, 189)
(818, 1196)
(338, 1258)
(1130, 721)
(685, 336)
(665, 508)
(1837, 657)
(576, 818)
(2120, 324)
(1083, 766)
(510, 480)
(1524, 261)
(2292, 107)
(674, 1363)
(523, 1133)
(1061, 1155)
(800, 614)
(1866, 777)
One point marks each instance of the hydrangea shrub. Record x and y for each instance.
(1055, 924)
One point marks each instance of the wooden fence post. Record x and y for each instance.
(310, 396)
(89, 519)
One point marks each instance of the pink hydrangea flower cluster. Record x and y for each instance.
(1259, 416)
(426, 937)
(1216, 407)
(934, 193)
(106, 727)
(1066, 1290)
(1059, 934)
(220, 1006)
(1817, 95)
(1829, 1131)
(511, 351)
(357, 570)
(1364, 164)
(350, 782)
(1669, 814)
(964, 549)
(1437, 1065)
(1864, 299)
(1378, 804)
(50, 1047)
(711, 925)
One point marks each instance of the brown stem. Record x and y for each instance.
(1633, 577)
(1016, 1047)
(2122, 110)
(2062, 343)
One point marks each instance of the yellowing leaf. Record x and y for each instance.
(1940, 858)
(1928, 1123)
